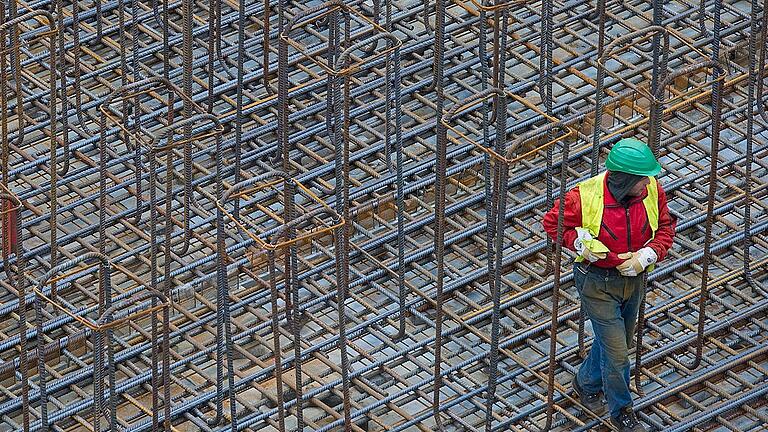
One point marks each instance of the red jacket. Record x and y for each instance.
(623, 229)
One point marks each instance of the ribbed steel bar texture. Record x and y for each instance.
(326, 215)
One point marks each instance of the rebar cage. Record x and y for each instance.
(223, 57)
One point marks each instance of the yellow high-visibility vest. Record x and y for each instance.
(592, 194)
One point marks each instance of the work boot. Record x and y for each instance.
(593, 402)
(626, 421)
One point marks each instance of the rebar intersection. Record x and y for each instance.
(343, 203)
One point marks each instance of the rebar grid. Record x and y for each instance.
(351, 120)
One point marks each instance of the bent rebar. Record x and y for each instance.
(12, 236)
(17, 72)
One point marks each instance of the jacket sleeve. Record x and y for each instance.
(665, 235)
(571, 219)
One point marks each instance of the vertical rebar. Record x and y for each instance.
(658, 72)
(499, 204)
(596, 133)
(12, 227)
(755, 26)
(545, 73)
(713, 162)
(277, 354)
(441, 169)
(341, 94)
(397, 83)
(556, 287)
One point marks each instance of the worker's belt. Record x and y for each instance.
(591, 268)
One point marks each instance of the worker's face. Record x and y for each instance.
(639, 187)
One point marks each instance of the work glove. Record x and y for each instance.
(636, 262)
(587, 247)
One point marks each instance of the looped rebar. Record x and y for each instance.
(105, 293)
(105, 322)
(18, 282)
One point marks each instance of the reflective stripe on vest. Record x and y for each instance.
(592, 193)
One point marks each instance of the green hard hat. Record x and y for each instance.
(633, 157)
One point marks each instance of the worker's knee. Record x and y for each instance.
(615, 353)
(618, 361)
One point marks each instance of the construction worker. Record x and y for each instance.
(619, 226)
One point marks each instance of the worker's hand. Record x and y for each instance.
(583, 238)
(636, 262)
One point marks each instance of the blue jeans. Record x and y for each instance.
(611, 303)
